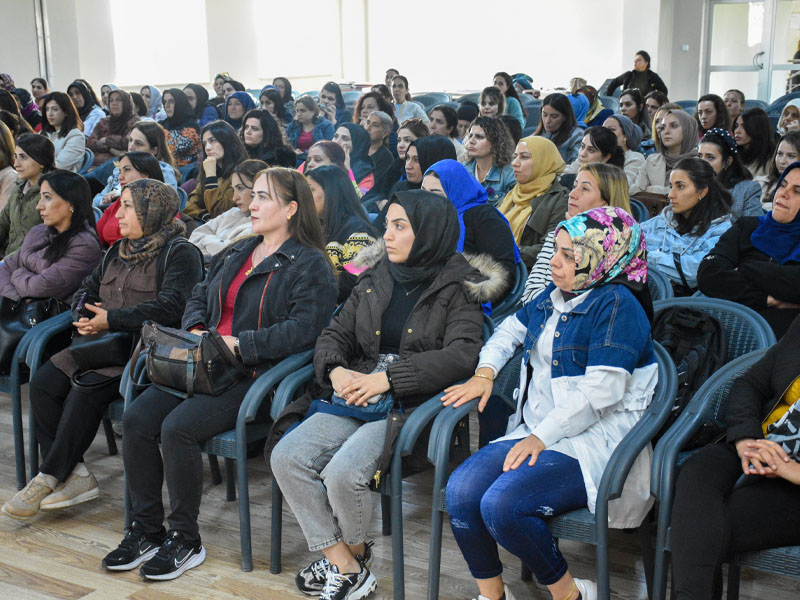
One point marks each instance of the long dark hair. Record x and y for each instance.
(450, 117)
(642, 116)
(495, 94)
(234, 150)
(716, 203)
(499, 137)
(562, 104)
(15, 125)
(719, 107)
(9, 104)
(605, 140)
(248, 169)
(511, 91)
(6, 147)
(274, 96)
(790, 137)
(334, 89)
(71, 121)
(74, 189)
(157, 138)
(341, 201)
(736, 171)
(272, 139)
(758, 126)
(333, 151)
(39, 148)
(383, 105)
(287, 94)
(139, 105)
(146, 164)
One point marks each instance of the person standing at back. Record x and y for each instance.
(641, 77)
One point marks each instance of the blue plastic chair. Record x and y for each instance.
(708, 405)
(431, 99)
(529, 131)
(578, 525)
(88, 161)
(390, 486)
(511, 302)
(232, 445)
(660, 287)
(639, 210)
(751, 103)
(534, 115)
(777, 106)
(688, 105)
(183, 197)
(473, 97)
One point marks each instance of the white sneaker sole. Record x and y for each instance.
(365, 589)
(79, 499)
(132, 565)
(194, 561)
(16, 517)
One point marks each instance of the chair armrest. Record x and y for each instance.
(443, 427)
(416, 423)
(41, 334)
(287, 388)
(266, 381)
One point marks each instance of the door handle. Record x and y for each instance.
(756, 62)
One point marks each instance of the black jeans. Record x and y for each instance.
(182, 426)
(711, 521)
(65, 419)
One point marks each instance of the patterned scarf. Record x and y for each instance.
(156, 205)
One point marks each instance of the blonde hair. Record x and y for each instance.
(664, 108)
(613, 184)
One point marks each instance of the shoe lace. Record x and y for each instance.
(171, 545)
(132, 536)
(320, 568)
(333, 584)
(33, 489)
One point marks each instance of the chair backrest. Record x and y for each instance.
(183, 197)
(529, 130)
(473, 97)
(431, 98)
(745, 329)
(429, 109)
(748, 104)
(777, 106)
(640, 212)
(507, 380)
(688, 105)
(659, 285)
(351, 96)
(534, 115)
(610, 102)
(509, 303)
(98, 213)
(88, 161)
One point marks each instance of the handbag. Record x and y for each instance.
(104, 349)
(185, 364)
(379, 405)
(18, 317)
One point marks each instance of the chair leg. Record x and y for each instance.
(244, 498)
(230, 479)
(19, 436)
(396, 508)
(435, 550)
(386, 516)
(213, 463)
(33, 446)
(277, 529)
(734, 572)
(110, 439)
(648, 553)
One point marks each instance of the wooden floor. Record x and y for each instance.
(58, 556)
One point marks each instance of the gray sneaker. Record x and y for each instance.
(25, 503)
(311, 579)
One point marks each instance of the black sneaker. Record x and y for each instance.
(132, 551)
(348, 586)
(173, 558)
(311, 579)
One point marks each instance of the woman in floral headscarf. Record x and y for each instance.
(588, 375)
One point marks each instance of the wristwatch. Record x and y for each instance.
(236, 351)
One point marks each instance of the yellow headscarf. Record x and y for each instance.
(547, 165)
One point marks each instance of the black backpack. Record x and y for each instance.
(698, 346)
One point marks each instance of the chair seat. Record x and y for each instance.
(782, 561)
(224, 444)
(577, 525)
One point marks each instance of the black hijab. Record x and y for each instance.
(88, 99)
(121, 125)
(435, 224)
(430, 150)
(360, 161)
(182, 116)
(201, 94)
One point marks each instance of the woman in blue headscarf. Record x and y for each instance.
(484, 231)
(152, 95)
(236, 107)
(580, 106)
(757, 261)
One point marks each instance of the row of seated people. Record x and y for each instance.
(599, 248)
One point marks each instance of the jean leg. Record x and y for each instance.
(515, 506)
(465, 489)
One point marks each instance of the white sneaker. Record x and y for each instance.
(587, 588)
(509, 595)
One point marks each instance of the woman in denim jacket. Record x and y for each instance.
(588, 375)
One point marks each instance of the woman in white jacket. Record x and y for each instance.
(64, 128)
(213, 236)
(588, 374)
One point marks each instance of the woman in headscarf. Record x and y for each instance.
(580, 106)
(676, 139)
(538, 202)
(183, 131)
(146, 276)
(237, 106)
(757, 261)
(29, 109)
(7, 82)
(203, 110)
(629, 137)
(152, 96)
(89, 112)
(588, 374)
(597, 112)
(269, 296)
(484, 235)
(355, 142)
(105, 90)
(110, 137)
(411, 327)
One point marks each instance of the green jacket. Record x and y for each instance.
(17, 217)
(547, 211)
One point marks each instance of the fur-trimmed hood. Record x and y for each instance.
(486, 283)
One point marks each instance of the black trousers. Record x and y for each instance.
(65, 419)
(182, 426)
(711, 521)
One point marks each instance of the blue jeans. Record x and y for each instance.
(489, 507)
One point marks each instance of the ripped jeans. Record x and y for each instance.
(489, 507)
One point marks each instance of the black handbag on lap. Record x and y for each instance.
(185, 364)
(18, 317)
(104, 349)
